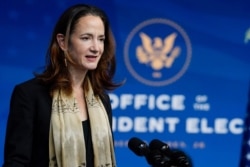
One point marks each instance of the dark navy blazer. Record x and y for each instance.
(27, 133)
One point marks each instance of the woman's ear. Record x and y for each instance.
(61, 41)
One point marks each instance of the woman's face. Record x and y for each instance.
(87, 42)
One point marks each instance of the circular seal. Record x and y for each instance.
(157, 52)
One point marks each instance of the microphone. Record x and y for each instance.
(138, 146)
(153, 157)
(173, 157)
(158, 153)
(163, 149)
(179, 158)
(161, 146)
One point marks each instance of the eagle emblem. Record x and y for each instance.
(158, 53)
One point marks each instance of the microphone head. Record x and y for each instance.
(159, 145)
(179, 158)
(138, 146)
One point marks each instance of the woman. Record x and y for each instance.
(63, 116)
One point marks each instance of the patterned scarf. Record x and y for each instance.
(66, 138)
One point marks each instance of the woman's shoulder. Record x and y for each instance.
(106, 101)
(32, 82)
(33, 85)
(105, 97)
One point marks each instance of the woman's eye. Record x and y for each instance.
(85, 38)
(102, 39)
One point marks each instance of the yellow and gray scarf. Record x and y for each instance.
(66, 138)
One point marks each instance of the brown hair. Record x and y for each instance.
(56, 73)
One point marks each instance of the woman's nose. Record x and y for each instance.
(94, 46)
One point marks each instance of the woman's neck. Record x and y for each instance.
(77, 77)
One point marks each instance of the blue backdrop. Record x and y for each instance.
(186, 65)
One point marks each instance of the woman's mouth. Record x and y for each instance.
(91, 58)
